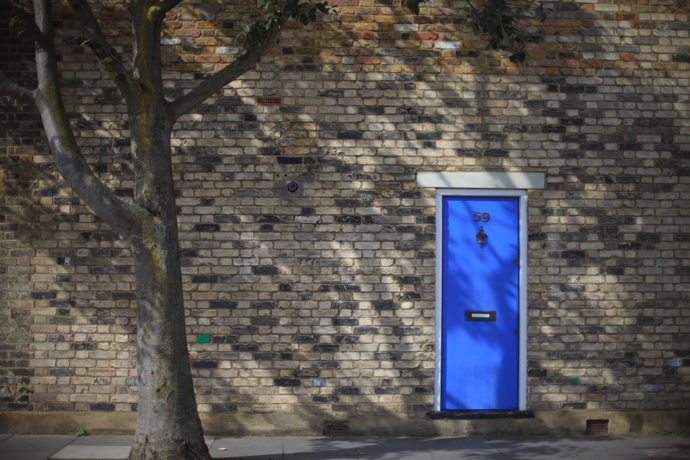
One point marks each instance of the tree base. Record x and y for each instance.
(169, 450)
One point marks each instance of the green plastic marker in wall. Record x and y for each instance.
(574, 381)
(202, 338)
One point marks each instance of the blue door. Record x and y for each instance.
(479, 359)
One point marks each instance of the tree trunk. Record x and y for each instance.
(168, 425)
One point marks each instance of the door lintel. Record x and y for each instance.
(481, 180)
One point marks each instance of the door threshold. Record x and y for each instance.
(478, 414)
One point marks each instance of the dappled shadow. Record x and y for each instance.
(536, 448)
(258, 262)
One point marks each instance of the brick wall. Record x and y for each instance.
(23, 196)
(322, 301)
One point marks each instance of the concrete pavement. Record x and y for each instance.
(104, 447)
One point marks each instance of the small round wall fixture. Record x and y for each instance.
(292, 186)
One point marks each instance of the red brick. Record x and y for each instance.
(425, 36)
(368, 60)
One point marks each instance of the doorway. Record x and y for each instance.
(481, 300)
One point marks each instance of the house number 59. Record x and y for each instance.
(484, 216)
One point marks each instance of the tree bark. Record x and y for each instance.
(168, 425)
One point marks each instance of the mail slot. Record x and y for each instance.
(480, 315)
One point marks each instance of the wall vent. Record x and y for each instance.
(597, 427)
(336, 429)
(269, 100)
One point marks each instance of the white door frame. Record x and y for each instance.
(522, 289)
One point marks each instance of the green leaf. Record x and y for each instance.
(80, 432)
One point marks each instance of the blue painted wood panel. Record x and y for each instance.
(479, 360)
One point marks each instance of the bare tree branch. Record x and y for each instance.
(7, 88)
(158, 7)
(167, 5)
(99, 44)
(126, 218)
(116, 212)
(26, 19)
(146, 34)
(189, 101)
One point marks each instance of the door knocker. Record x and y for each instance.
(481, 238)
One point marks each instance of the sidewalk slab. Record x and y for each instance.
(247, 448)
(97, 447)
(92, 453)
(391, 449)
(125, 440)
(661, 442)
(600, 448)
(530, 448)
(101, 447)
(465, 448)
(33, 447)
(318, 449)
(661, 447)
